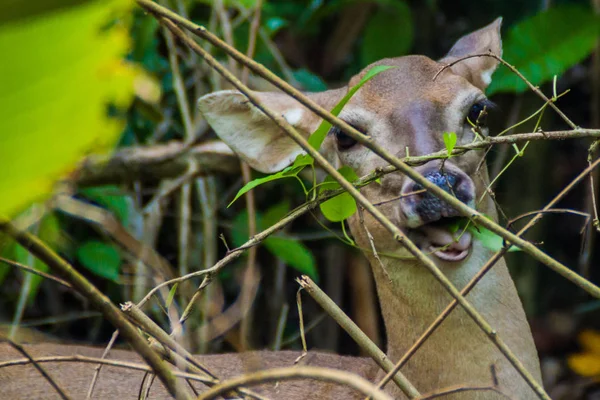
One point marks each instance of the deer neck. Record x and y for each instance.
(458, 352)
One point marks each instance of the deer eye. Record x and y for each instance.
(343, 141)
(478, 113)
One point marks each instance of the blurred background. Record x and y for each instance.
(80, 77)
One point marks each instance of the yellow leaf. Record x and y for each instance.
(590, 341)
(585, 364)
(60, 71)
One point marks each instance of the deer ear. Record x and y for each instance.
(477, 70)
(252, 134)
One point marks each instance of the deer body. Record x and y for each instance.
(403, 109)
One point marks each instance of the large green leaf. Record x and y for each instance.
(546, 45)
(388, 33)
(100, 258)
(60, 70)
(294, 254)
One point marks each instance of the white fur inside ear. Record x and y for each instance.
(293, 116)
(249, 132)
(486, 75)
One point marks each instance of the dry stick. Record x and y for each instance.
(367, 141)
(41, 370)
(98, 368)
(36, 272)
(290, 373)
(489, 264)
(397, 234)
(356, 334)
(97, 360)
(102, 303)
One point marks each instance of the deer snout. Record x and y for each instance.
(424, 207)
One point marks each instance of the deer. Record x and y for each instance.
(401, 108)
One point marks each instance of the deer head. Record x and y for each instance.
(406, 111)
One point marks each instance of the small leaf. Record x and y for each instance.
(293, 253)
(100, 258)
(489, 239)
(450, 142)
(171, 295)
(342, 206)
(316, 139)
(289, 172)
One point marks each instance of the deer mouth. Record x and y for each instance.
(442, 239)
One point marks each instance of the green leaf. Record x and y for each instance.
(388, 33)
(171, 295)
(309, 81)
(489, 239)
(341, 206)
(110, 198)
(450, 142)
(289, 172)
(66, 66)
(293, 253)
(316, 139)
(545, 45)
(101, 259)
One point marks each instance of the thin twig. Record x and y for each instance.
(97, 360)
(297, 372)
(98, 368)
(36, 272)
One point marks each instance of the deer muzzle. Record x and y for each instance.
(429, 218)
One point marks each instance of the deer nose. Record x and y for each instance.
(424, 207)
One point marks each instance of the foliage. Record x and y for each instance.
(546, 45)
